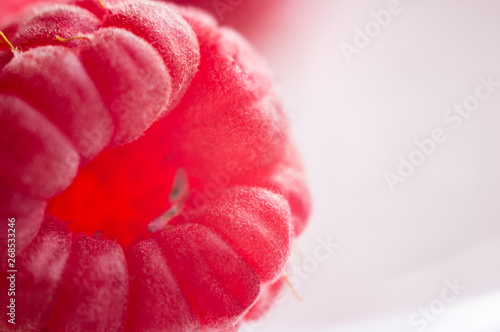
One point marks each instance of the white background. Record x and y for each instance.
(352, 121)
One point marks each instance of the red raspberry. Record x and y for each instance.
(137, 116)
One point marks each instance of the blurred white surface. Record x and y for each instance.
(397, 249)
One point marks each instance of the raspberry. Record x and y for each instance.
(149, 167)
(100, 306)
(40, 268)
(229, 110)
(164, 28)
(268, 295)
(50, 21)
(153, 290)
(28, 209)
(254, 222)
(25, 133)
(222, 287)
(136, 68)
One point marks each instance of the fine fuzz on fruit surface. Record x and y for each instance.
(149, 167)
